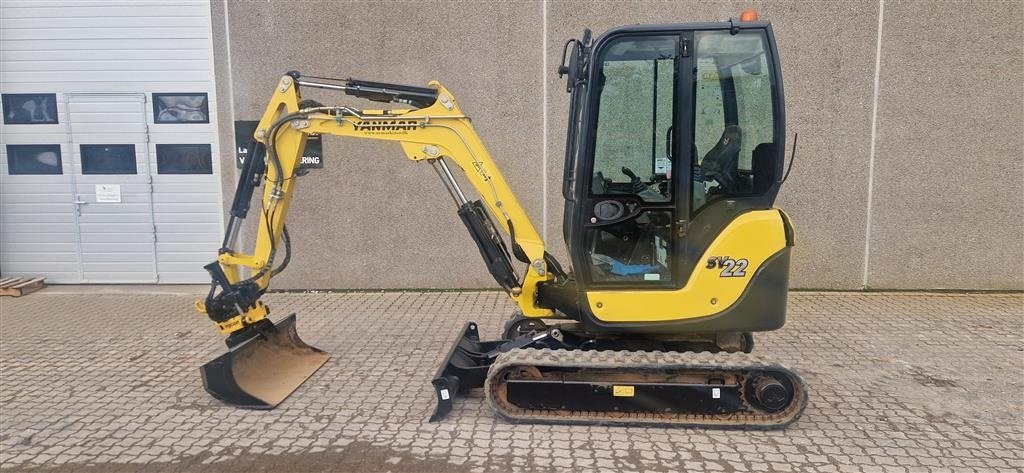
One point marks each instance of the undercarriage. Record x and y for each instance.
(559, 375)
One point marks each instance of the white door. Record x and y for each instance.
(111, 173)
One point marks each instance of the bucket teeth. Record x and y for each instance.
(262, 371)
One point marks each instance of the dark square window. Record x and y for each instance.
(34, 159)
(108, 159)
(30, 109)
(184, 159)
(181, 108)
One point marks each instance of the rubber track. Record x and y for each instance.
(741, 363)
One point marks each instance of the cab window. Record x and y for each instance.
(637, 79)
(734, 153)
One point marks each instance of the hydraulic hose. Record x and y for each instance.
(268, 214)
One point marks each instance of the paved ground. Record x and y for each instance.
(109, 382)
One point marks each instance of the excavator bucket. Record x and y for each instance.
(262, 371)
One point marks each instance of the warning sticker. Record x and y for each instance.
(661, 251)
(623, 391)
(662, 166)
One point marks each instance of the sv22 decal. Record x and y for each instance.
(731, 268)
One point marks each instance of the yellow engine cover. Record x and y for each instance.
(752, 237)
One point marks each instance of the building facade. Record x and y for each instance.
(109, 165)
(909, 169)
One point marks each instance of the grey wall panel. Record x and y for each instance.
(828, 54)
(370, 218)
(950, 94)
(948, 185)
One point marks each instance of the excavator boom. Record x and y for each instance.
(266, 362)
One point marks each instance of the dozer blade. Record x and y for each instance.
(463, 369)
(262, 371)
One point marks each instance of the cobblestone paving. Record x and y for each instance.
(100, 382)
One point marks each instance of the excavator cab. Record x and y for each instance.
(675, 130)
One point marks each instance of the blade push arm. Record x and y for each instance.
(437, 131)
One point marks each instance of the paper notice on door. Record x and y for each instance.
(661, 251)
(108, 193)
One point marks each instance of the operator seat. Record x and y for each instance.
(721, 161)
(763, 168)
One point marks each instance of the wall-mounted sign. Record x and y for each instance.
(244, 129)
(312, 156)
(108, 193)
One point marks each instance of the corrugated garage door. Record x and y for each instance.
(109, 159)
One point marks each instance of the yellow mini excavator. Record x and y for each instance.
(673, 158)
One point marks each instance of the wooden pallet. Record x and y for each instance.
(18, 287)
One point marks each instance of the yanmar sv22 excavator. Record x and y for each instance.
(673, 159)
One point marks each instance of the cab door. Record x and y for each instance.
(631, 203)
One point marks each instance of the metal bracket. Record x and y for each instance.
(431, 150)
(446, 101)
(681, 228)
(538, 266)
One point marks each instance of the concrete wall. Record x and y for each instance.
(909, 172)
(949, 161)
(371, 218)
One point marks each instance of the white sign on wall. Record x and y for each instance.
(108, 193)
